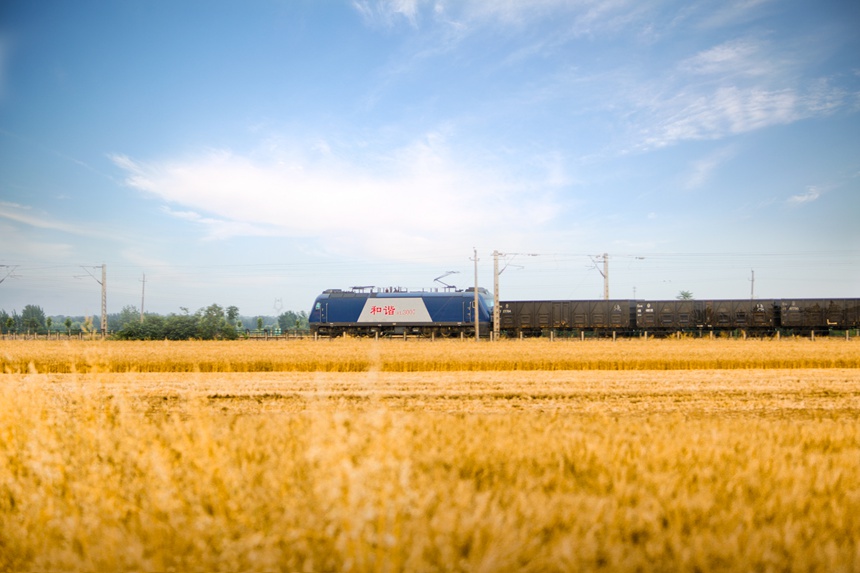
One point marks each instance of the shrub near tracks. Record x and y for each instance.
(360, 355)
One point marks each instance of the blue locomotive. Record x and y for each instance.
(396, 311)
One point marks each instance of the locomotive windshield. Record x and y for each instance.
(488, 300)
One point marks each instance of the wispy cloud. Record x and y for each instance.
(142, 257)
(421, 196)
(221, 228)
(703, 169)
(387, 12)
(20, 247)
(731, 110)
(11, 205)
(587, 16)
(24, 215)
(742, 56)
(731, 12)
(735, 86)
(811, 194)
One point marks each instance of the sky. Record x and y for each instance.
(255, 153)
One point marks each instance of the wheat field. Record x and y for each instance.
(362, 455)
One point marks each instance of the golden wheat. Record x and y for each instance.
(383, 460)
(359, 355)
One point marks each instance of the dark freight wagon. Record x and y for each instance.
(669, 315)
(738, 314)
(533, 318)
(821, 314)
(690, 315)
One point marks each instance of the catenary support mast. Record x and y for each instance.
(496, 311)
(142, 293)
(475, 311)
(104, 301)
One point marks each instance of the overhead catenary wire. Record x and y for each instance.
(648, 272)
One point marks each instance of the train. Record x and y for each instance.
(396, 311)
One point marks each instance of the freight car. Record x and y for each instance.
(363, 311)
(532, 318)
(661, 316)
(818, 314)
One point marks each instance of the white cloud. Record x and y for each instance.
(18, 246)
(421, 196)
(142, 257)
(734, 57)
(732, 85)
(732, 110)
(23, 214)
(731, 12)
(811, 194)
(10, 205)
(220, 228)
(703, 169)
(386, 11)
(587, 16)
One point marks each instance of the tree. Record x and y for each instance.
(153, 327)
(48, 322)
(33, 317)
(685, 295)
(130, 331)
(129, 313)
(68, 323)
(213, 324)
(181, 327)
(232, 314)
(287, 320)
(210, 320)
(290, 319)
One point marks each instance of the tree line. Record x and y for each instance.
(213, 322)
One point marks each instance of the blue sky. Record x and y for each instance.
(255, 153)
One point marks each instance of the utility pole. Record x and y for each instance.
(142, 292)
(496, 311)
(752, 285)
(496, 273)
(604, 273)
(104, 301)
(605, 276)
(475, 311)
(103, 282)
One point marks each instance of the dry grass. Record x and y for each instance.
(363, 464)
